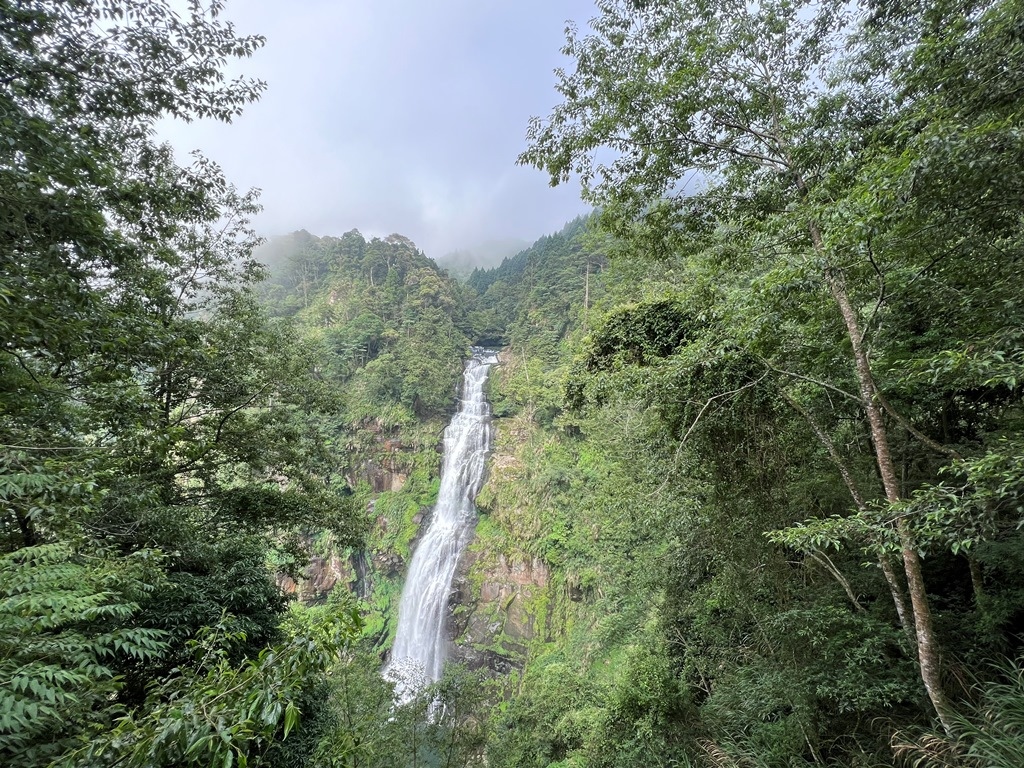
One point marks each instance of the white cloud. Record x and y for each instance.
(396, 116)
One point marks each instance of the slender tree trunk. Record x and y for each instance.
(826, 562)
(165, 390)
(977, 582)
(586, 297)
(898, 599)
(28, 530)
(927, 648)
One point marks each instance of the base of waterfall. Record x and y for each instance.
(409, 677)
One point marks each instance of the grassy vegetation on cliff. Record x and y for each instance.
(388, 327)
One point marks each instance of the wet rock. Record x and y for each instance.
(498, 663)
(286, 584)
(503, 607)
(476, 659)
(362, 585)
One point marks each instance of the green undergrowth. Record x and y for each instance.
(380, 612)
(391, 536)
(553, 498)
(396, 513)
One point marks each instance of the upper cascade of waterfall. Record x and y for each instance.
(421, 647)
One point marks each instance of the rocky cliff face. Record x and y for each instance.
(497, 608)
(386, 461)
(323, 574)
(502, 600)
(360, 571)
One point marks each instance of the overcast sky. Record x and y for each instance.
(396, 116)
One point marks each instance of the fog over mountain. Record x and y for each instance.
(484, 255)
(396, 116)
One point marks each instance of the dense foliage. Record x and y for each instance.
(787, 490)
(160, 435)
(531, 299)
(759, 418)
(388, 320)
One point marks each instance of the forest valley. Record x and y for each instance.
(757, 492)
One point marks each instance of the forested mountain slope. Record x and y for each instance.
(531, 299)
(777, 487)
(756, 493)
(461, 263)
(391, 323)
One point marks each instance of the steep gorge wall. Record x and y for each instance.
(499, 607)
(394, 325)
(395, 476)
(505, 598)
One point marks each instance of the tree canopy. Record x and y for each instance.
(834, 193)
(160, 435)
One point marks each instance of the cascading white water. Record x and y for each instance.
(420, 647)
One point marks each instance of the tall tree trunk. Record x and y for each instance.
(927, 648)
(28, 530)
(586, 296)
(977, 582)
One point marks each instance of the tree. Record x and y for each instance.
(826, 192)
(62, 624)
(103, 236)
(215, 713)
(150, 411)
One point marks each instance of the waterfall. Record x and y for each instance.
(420, 648)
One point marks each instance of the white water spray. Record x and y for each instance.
(421, 648)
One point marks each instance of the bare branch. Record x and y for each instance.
(801, 377)
(905, 423)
